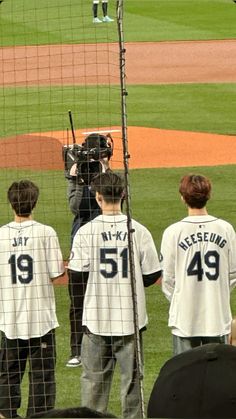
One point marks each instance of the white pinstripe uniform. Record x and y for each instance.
(199, 271)
(30, 257)
(100, 247)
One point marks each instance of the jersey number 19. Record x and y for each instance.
(23, 263)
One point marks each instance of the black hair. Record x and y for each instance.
(99, 142)
(110, 185)
(23, 196)
(95, 140)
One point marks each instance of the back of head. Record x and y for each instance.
(97, 147)
(95, 140)
(199, 383)
(100, 143)
(195, 190)
(110, 185)
(23, 196)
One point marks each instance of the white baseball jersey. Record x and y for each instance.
(199, 270)
(30, 257)
(101, 248)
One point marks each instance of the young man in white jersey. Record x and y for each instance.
(100, 253)
(199, 270)
(30, 258)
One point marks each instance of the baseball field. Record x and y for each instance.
(181, 82)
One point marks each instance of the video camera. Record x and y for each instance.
(87, 156)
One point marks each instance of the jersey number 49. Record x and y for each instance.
(211, 262)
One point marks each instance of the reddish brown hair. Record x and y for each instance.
(196, 190)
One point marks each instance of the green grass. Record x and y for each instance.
(37, 109)
(193, 107)
(33, 22)
(166, 20)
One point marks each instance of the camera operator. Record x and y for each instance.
(82, 163)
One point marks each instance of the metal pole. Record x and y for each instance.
(126, 156)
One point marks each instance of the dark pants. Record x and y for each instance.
(77, 288)
(41, 354)
(76, 291)
(184, 344)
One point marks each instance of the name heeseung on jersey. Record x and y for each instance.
(199, 271)
(30, 257)
(101, 248)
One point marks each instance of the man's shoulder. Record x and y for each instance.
(215, 221)
(47, 229)
(5, 228)
(174, 226)
(138, 225)
(225, 222)
(139, 228)
(226, 225)
(187, 222)
(32, 228)
(85, 228)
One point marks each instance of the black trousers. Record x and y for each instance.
(41, 354)
(76, 291)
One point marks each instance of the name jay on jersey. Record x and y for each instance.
(20, 241)
(205, 236)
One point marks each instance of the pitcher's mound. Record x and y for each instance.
(148, 147)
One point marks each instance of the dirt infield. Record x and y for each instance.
(147, 63)
(148, 147)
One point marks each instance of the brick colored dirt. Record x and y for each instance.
(147, 63)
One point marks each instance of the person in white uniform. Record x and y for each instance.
(30, 259)
(199, 270)
(100, 253)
